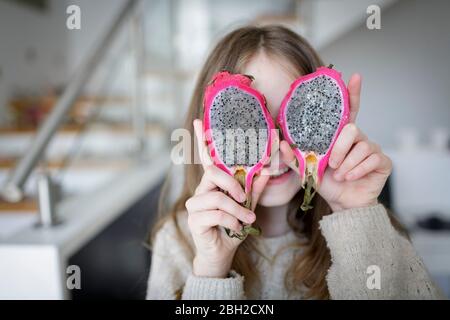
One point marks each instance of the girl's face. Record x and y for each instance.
(273, 78)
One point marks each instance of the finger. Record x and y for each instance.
(259, 184)
(218, 200)
(350, 135)
(375, 162)
(275, 141)
(354, 92)
(203, 221)
(214, 177)
(288, 156)
(201, 144)
(357, 154)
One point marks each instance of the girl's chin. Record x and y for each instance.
(280, 190)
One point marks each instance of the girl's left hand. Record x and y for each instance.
(358, 169)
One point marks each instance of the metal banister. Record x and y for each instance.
(13, 189)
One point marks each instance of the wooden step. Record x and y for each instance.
(28, 109)
(100, 100)
(26, 205)
(7, 130)
(76, 128)
(94, 164)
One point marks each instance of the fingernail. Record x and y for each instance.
(335, 163)
(349, 176)
(242, 197)
(251, 217)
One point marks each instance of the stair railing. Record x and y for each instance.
(13, 190)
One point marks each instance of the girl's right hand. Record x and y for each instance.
(209, 209)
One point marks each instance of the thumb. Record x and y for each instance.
(288, 156)
(258, 187)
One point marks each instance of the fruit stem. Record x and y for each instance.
(330, 66)
(307, 198)
(240, 176)
(311, 178)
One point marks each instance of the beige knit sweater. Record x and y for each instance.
(357, 239)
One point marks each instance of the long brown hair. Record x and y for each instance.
(232, 53)
(310, 266)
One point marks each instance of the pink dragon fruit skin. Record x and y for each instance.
(310, 161)
(220, 82)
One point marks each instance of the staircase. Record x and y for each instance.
(103, 146)
(123, 114)
(81, 159)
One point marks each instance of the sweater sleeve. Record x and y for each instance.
(171, 275)
(202, 288)
(371, 260)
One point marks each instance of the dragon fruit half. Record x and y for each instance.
(311, 116)
(238, 129)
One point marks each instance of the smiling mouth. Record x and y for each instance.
(279, 172)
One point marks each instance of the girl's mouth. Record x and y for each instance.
(280, 176)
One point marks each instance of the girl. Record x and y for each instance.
(346, 247)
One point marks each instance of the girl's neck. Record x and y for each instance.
(273, 220)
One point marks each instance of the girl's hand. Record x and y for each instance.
(357, 169)
(210, 209)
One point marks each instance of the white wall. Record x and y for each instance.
(23, 31)
(405, 68)
(96, 17)
(330, 19)
(58, 51)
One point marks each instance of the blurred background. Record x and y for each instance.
(86, 117)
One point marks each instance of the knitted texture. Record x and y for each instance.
(359, 241)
